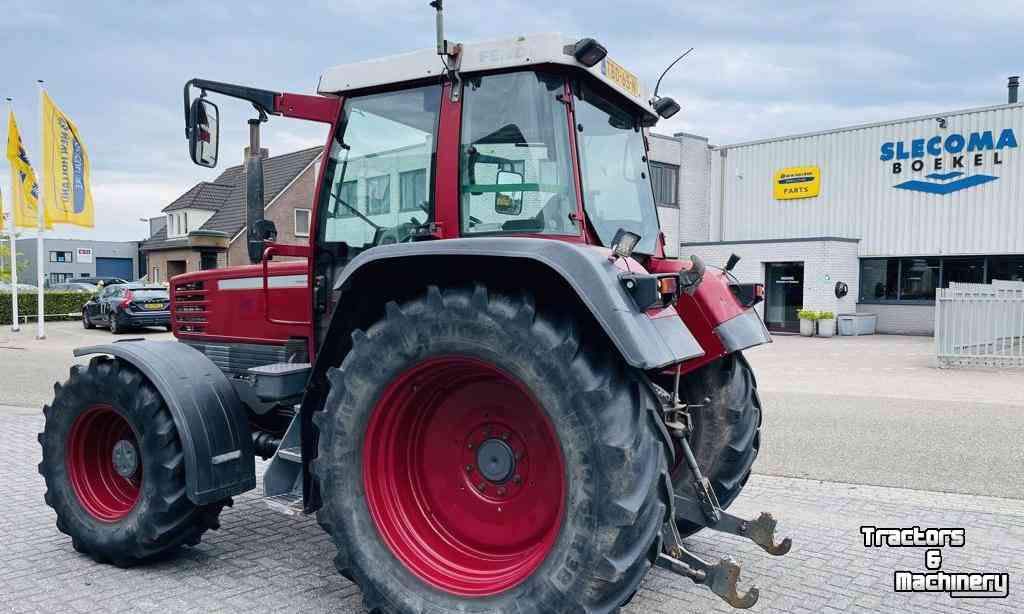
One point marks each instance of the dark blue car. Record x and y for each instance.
(123, 306)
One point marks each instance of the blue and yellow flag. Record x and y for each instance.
(66, 192)
(24, 188)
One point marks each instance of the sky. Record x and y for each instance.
(759, 69)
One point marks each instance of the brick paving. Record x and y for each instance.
(263, 562)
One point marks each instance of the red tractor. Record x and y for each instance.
(481, 373)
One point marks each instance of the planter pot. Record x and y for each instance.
(826, 328)
(807, 328)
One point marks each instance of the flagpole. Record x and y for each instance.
(40, 207)
(15, 326)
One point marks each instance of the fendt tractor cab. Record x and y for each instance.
(481, 373)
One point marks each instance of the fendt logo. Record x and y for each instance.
(963, 153)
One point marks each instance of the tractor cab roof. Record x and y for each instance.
(521, 51)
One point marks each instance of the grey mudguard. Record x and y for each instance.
(211, 420)
(643, 342)
(744, 331)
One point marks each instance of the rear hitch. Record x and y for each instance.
(700, 506)
(721, 577)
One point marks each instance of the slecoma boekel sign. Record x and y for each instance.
(947, 158)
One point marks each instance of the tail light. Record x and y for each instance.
(128, 296)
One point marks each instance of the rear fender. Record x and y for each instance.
(211, 420)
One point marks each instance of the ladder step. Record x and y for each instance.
(287, 503)
(290, 454)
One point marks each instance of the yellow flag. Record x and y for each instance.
(66, 192)
(24, 188)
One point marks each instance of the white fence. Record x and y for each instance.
(980, 324)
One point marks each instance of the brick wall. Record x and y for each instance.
(825, 263)
(192, 258)
(298, 195)
(902, 319)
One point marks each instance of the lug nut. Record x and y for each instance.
(481, 487)
(504, 436)
(501, 491)
(469, 445)
(518, 479)
(469, 468)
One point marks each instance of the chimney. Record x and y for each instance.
(264, 154)
(1012, 86)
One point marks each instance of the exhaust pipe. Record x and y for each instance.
(1013, 85)
(259, 230)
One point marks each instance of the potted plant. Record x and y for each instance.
(826, 324)
(807, 318)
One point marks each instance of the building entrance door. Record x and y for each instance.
(785, 295)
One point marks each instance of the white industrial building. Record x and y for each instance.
(893, 210)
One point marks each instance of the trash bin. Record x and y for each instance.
(857, 324)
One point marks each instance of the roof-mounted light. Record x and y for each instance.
(665, 107)
(588, 52)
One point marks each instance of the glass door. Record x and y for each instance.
(785, 295)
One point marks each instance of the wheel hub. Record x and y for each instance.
(126, 458)
(496, 461)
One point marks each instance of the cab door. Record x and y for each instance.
(377, 187)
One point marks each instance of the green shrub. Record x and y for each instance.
(807, 314)
(826, 315)
(55, 304)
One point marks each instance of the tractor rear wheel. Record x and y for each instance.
(477, 454)
(114, 469)
(726, 429)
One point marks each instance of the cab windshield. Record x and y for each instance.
(617, 192)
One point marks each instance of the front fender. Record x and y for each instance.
(643, 342)
(210, 418)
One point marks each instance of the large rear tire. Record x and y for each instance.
(114, 469)
(478, 455)
(726, 434)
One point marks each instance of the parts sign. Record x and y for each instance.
(797, 182)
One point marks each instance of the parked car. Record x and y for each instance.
(72, 286)
(106, 281)
(123, 306)
(7, 287)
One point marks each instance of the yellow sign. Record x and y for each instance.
(24, 189)
(67, 196)
(619, 75)
(797, 182)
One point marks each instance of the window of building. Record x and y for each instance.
(412, 190)
(967, 270)
(1009, 268)
(302, 222)
(879, 279)
(378, 195)
(347, 199)
(61, 257)
(665, 179)
(207, 260)
(59, 278)
(918, 278)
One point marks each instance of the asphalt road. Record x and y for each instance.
(866, 410)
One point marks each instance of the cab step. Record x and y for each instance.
(289, 503)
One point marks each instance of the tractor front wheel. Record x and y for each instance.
(114, 469)
(479, 454)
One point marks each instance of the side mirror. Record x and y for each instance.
(203, 132)
(508, 203)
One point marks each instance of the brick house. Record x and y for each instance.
(205, 226)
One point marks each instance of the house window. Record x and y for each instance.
(61, 257)
(378, 195)
(207, 260)
(58, 278)
(665, 179)
(302, 222)
(412, 190)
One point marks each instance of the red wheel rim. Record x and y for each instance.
(102, 491)
(437, 440)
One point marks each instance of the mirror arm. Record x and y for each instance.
(265, 101)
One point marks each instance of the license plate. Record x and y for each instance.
(154, 306)
(620, 76)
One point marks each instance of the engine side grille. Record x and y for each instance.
(190, 307)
